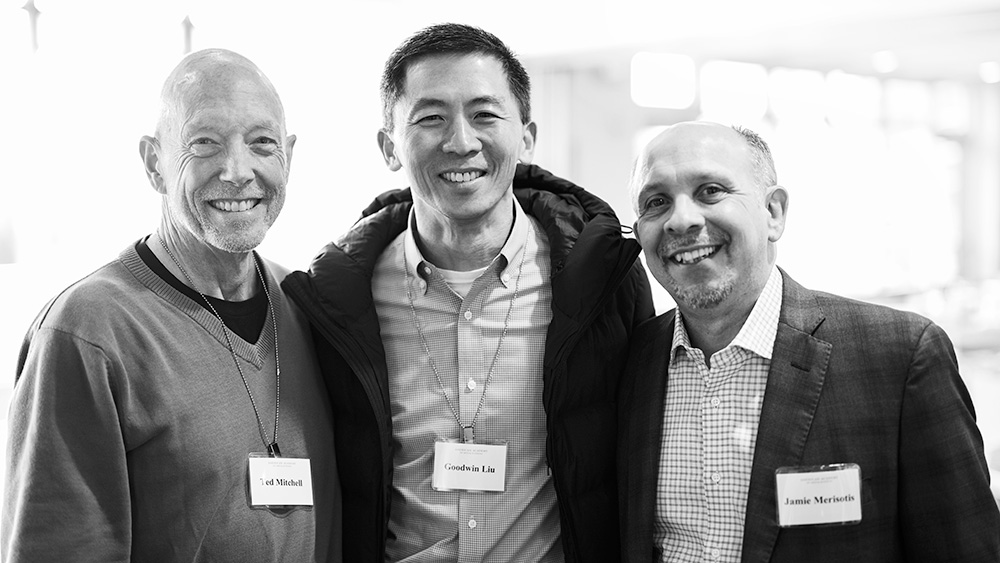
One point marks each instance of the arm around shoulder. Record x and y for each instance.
(644, 307)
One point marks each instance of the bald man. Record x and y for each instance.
(168, 407)
(765, 422)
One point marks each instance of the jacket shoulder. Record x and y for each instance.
(821, 313)
(844, 311)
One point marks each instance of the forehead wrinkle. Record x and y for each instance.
(210, 76)
(198, 120)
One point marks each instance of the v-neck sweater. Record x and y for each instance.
(130, 428)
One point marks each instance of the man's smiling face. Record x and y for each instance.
(458, 135)
(704, 223)
(225, 160)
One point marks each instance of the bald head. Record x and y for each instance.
(212, 75)
(705, 134)
(220, 157)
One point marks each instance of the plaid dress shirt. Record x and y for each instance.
(709, 433)
(463, 335)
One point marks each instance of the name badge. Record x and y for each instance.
(463, 466)
(816, 495)
(279, 481)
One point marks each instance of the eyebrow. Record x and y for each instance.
(424, 103)
(697, 177)
(195, 126)
(646, 189)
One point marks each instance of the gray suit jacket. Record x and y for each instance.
(850, 382)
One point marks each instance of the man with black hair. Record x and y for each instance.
(472, 328)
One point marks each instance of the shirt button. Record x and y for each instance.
(472, 385)
(468, 315)
(716, 477)
(716, 554)
(472, 524)
(715, 401)
(427, 270)
(506, 277)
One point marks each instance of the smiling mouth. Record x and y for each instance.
(234, 205)
(688, 257)
(462, 177)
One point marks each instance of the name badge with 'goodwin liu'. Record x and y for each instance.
(465, 466)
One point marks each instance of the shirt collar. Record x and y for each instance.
(504, 263)
(760, 329)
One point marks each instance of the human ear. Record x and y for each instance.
(149, 150)
(635, 232)
(776, 203)
(528, 137)
(388, 148)
(289, 145)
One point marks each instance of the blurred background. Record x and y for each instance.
(883, 116)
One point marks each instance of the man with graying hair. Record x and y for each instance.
(764, 422)
(168, 406)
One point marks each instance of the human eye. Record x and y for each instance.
(264, 144)
(203, 146)
(653, 204)
(486, 115)
(428, 120)
(712, 192)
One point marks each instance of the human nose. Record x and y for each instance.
(237, 168)
(685, 216)
(462, 138)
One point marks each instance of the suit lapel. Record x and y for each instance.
(794, 384)
(644, 431)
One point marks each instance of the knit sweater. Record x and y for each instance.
(130, 428)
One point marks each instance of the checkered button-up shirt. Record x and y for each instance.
(463, 335)
(709, 433)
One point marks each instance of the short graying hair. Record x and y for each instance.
(760, 157)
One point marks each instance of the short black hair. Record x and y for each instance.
(451, 39)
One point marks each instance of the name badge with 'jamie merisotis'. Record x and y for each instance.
(818, 495)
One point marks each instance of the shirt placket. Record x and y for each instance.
(718, 479)
(473, 349)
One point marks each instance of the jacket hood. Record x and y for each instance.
(570, 216)
(563, 208)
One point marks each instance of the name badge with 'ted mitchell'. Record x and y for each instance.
(279, 482)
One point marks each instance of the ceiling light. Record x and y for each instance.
(989, 72)
(885, 62)
(663, 80)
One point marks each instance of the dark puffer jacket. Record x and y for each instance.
(600, 292)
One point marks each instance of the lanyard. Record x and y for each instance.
(272, 445)
(468, 431)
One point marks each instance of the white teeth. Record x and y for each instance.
(461, 177)
(230, 205)
(692, 256)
